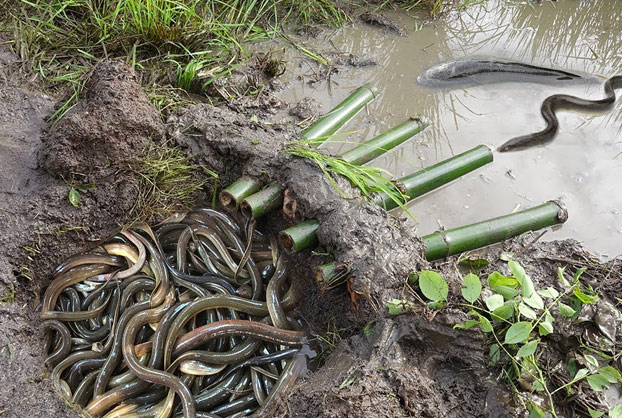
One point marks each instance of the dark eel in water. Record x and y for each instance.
(557, 102)
(470, 71)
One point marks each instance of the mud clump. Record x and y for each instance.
(376, 19)
(113, 122)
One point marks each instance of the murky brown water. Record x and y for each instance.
(583, 165)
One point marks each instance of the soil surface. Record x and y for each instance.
(414, 364)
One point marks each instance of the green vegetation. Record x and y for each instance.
(168, 182)
(175, 45)
(366, 179)
(519, 320)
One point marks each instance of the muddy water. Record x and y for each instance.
(583, 166)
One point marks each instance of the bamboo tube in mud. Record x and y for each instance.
(442, 244)
(386, 141)
(327, 125)
(231, 196)
(453, 241)
(340, 114)
(264, 201)
(439, 174)
(301, 236)
(363, 153)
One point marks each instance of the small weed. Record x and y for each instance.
(10, 296)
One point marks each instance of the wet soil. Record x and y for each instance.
(413, 364)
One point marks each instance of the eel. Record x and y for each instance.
(482, 70)
(557, 102)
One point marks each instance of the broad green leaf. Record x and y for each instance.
(505, 311)
(584, 297)
(591, 360)
(467, 324)
(566, 310)
(535, 301)
(581, 373)
(471, 288)
(560, 274)
(518, 332)
(475, 263)
(526, 284)
(538, 386)
(572, 367)
(526, 311)
(549, 292)
(494, 354)
(484, 324)
(616, 412)
(493, 302)
(74, 197)
(527, 349)
(545, 328)
(549, 318)
(433, 286)
(507, 292)
(611, 373)
(496, 279)
(598, 382)
(594, 413)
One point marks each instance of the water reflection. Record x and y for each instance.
(581, 165)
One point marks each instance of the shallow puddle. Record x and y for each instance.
(582, 165)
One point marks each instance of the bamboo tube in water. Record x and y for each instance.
(453, 241)
(340, 114)
(442, 244)
(299, 237)
(385, 142)
(439, 174)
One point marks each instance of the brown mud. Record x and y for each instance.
(413, 364)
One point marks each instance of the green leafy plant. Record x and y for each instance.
(517, 316)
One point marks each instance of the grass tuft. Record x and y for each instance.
(168, 182)
(366, 179)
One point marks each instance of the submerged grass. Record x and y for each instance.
(368, 180)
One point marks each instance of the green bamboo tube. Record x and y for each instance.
(300, 236)
(385, 142)
(442, 244)
(415, 184)
(439, 174)
(238, 191)
(340, 114)
(266, 200)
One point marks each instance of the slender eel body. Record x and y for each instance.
(557, 102)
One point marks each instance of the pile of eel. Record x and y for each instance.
(188, 319)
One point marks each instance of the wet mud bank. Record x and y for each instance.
(413, 364)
